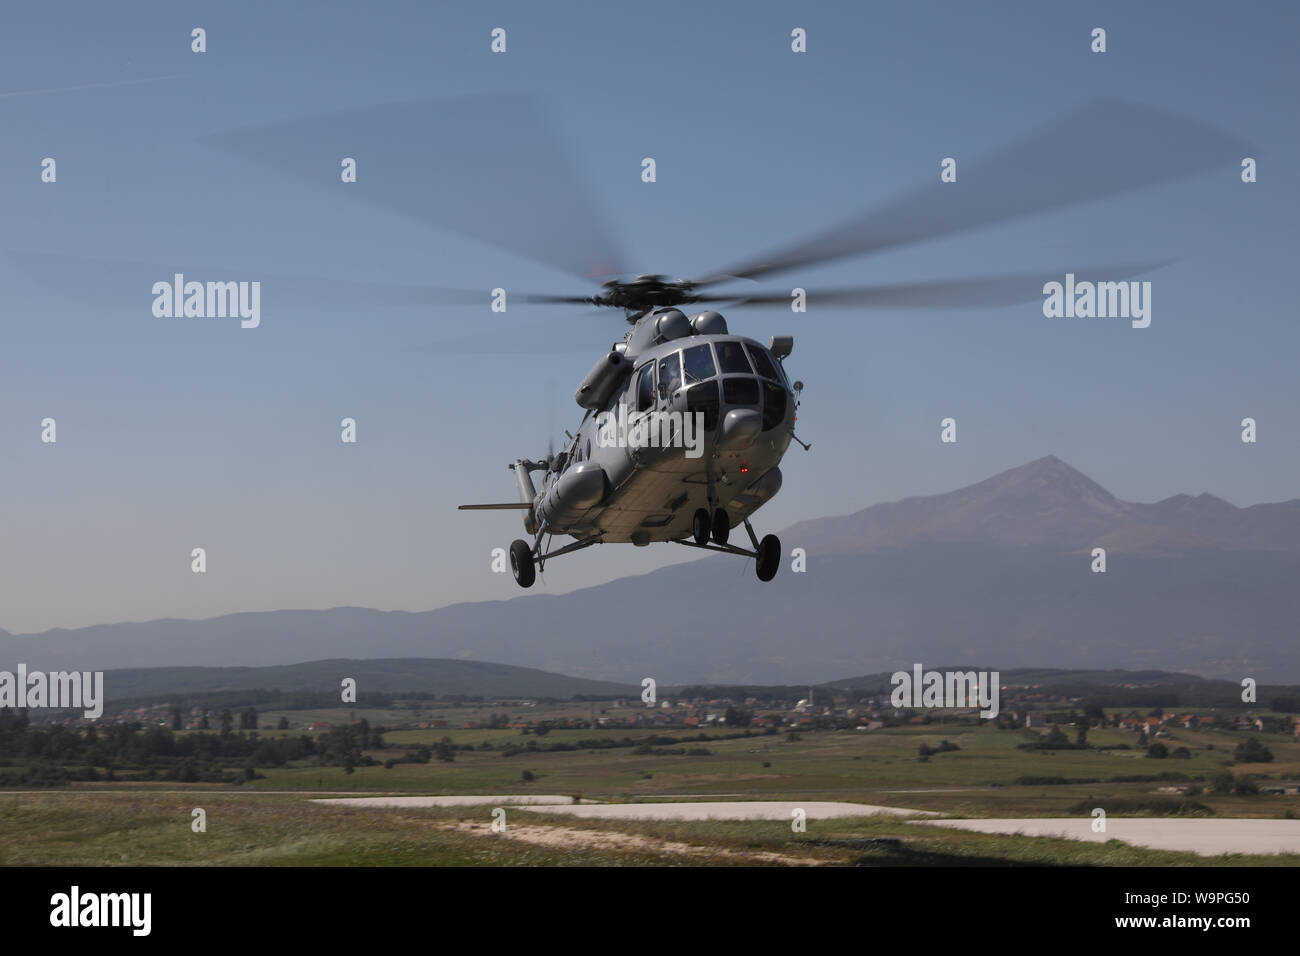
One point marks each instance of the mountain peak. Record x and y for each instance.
(1050, 480)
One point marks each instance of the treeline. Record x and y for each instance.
(265, 699)
(53, 755)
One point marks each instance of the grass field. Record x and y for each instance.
(272, 821)
(271, 829)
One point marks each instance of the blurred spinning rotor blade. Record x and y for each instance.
(114, 283)
(1103, 149)
(955, 293)
(486, 166)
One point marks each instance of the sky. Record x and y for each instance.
(181, 433)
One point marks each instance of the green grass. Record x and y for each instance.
(251, 825)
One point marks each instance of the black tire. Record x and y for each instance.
(521, 563)
(721, 526)
(769, 557)
(700, 526)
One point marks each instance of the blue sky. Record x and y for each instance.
(175, 434)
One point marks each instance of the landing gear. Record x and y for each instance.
(766, 553)
(700, 526)
(721, 526)
(521, 563)
(526, 561)
(768, 558)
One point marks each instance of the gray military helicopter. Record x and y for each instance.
(487, 166)
(684, 429)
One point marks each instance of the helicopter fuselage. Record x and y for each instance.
(700, 420)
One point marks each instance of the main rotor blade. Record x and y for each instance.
(1103, 149)
(487, 166)
(973, 292)
(114, 283)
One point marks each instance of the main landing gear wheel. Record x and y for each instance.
(769, 557)
(721, 526)
(700, 526)
(521, 563)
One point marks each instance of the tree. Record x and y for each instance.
(177, 723)
(1222, 782)
(1081, 737)
(1158, 751)
(283, 724)
(227, 723)
(1056, 739)
(1252, 751)
(737, 718)
(445, 750)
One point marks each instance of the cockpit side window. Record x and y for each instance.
(670, 373)
(645, 388)
(699, 363)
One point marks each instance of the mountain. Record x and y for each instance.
(995, 574)
(443, 677)
(1048, 504)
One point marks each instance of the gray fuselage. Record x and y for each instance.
(616, 479)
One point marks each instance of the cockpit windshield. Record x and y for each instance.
(698, 360)
(731, 358)
(763, 363)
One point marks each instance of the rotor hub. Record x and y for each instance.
(643, 293)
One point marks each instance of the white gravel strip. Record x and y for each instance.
(1206, 837)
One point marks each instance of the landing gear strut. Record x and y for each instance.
(766, 553)
(526, 560)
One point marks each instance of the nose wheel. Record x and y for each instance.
(721, 526)
(701, 526)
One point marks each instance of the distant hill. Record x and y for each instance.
(445, 678)
(995, 574)
(1053, 678)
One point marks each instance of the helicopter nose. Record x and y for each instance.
(739, 428)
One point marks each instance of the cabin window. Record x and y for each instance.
(731, 358)
(699, 364)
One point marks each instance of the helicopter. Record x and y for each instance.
(721, 407)
(675, 385)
